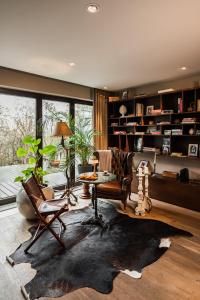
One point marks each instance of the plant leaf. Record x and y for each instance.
(21, 152)
(32, 160)
(28, 140)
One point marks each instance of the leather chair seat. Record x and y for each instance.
(111, 188)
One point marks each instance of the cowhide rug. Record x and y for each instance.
(93, 258)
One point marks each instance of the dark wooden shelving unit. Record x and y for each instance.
(166, 101)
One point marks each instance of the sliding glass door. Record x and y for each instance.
(84, 121)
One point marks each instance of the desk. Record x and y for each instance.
(97, 218)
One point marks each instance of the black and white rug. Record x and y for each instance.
(93, 258)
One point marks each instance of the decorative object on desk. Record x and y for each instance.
(192, 149)
(111, 252)
(166, 146)
(149, 109)
(125, 95)
(123, 110)
(144, 202)
(198, 105)
(191, 131)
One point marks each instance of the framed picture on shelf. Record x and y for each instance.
(149, 109)
(192, 149)
(142, 164)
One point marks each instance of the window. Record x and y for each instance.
(17, 119)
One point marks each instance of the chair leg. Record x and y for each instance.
(35, 239)
(61, 221)
(56, 236)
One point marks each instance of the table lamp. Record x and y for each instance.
(94, 161)
(62, 130)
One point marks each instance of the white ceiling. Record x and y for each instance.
(128, 43)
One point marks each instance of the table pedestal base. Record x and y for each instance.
(86, 192)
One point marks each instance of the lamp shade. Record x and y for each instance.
(62, 129)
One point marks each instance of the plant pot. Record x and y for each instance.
(85, 169)
(25, 206)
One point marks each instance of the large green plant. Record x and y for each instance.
(83, 140)
(33, 153)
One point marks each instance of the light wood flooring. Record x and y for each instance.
(176, 275)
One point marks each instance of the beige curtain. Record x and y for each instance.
(100, 119)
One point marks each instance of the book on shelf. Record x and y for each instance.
(114, 124)
(155, 112)
(177, 131)
(139, 109)
(180, 105)
(139, 133)
(188, 121)
(167, 111)
(164, 123)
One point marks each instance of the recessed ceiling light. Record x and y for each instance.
(93, 8)
(183, 68)
(105, 87)
(71, 64)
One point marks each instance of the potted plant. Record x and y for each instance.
(83, 144)
(32, 154)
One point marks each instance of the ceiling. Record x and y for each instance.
(128, 43)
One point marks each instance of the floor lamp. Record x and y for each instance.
(62, 130)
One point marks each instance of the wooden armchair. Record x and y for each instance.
(44, 208)
(120, 189)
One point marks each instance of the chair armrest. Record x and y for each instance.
(126, 182)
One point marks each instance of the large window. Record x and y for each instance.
(84, 121)
(17, 119)
(52, 112)
(24, 113)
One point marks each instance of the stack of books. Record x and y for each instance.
(139, 133)
(132, 124)
(188, 120)
(177, 131)
(155, 112)
(114, 124)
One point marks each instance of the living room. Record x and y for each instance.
(100, 149)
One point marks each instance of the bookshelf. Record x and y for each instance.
(163, 123)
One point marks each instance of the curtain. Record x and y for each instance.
(100, 119)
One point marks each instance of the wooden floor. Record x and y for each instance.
(175, 276)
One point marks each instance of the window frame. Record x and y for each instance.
(39, 97)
